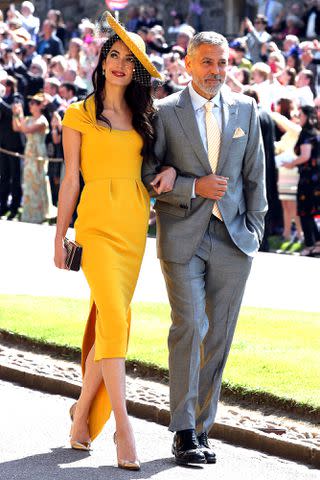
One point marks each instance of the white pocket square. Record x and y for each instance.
(238, 133)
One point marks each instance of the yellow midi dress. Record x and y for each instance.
(111, 227)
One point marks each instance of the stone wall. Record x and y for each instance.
(72, 9)
(220, 15)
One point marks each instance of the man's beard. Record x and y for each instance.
(209, 90)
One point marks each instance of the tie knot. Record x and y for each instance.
(208, 106)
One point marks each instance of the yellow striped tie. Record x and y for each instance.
(214, 142)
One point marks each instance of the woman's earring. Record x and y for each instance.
(134, 70)
(103, 72)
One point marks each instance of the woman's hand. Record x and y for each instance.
(289, 165)
(164, 181)
(60, 254)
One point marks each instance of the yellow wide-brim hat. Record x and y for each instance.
(135, 44)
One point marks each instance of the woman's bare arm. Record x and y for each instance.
(19, 125)
(305, 154)
(69, 190)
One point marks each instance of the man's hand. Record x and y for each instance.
(211, 186)
(164, 181)
(248, 24)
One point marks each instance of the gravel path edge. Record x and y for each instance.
(152, 372)
(232, 434)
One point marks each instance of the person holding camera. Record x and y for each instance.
(255, 36)
(35, 127)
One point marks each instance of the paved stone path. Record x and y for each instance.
(154, 393)
(34, 445)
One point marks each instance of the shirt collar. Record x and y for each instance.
(198, 101)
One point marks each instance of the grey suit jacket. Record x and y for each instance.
(181, 220)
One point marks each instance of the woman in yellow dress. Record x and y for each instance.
(107, 136)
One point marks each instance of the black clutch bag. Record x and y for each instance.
(74, 254)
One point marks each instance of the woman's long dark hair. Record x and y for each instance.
(286, 107)
(137, 96)
(311, 114)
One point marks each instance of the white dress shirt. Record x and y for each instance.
(198, 102)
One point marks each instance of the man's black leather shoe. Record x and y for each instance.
(206, 449)
(185, 448)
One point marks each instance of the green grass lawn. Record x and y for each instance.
(274, 351)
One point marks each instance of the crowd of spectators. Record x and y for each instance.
(47, 65)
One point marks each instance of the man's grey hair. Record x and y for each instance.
(209, 38)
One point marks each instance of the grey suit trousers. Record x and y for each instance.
(205, 296)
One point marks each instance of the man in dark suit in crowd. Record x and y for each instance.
(274, 214)
(49, 43)
(312, 21)
(10, 168)
(29, 81)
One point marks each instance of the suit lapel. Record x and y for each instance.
(229, 120)
(186, 116)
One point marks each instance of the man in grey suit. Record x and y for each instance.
(208, 229)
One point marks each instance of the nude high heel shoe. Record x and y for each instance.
(126, 464)
(75, 444)
(72, 410)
